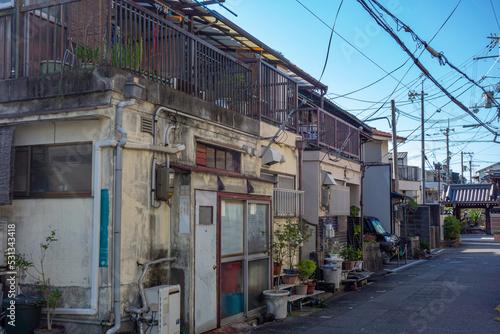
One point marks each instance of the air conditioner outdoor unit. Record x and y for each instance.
(164, 302)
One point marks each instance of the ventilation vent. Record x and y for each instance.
(147, 125)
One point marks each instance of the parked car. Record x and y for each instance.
(388, 242)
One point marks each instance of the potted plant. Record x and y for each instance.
(358, 263)
(496, 235)
(306, 269)
(50, 296)
(127, 55)
(349, 255)
(87, 54)
(286, 240)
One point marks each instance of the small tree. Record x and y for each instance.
(50, 295)
(287, 239)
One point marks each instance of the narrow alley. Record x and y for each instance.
(453, 292)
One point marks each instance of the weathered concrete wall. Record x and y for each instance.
(147, 233)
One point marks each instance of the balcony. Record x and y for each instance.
(409, 173)
(288, 203)
(321, 128)
(72, 34)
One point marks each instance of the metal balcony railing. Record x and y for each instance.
(321, 128)
(409, 173)
(70, 34)
(288, 203)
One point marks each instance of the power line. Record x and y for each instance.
(496, 18)
(417, 62)
(330, 41)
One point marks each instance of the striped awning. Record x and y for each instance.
(471, 194)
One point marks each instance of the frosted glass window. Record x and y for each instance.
(258, 276)
(231, 228)
(257, 223)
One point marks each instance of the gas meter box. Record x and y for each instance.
(164, 183)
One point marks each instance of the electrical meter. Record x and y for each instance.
(164, 183)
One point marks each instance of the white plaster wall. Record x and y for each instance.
(68, 261)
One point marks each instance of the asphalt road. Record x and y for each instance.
(456, 292)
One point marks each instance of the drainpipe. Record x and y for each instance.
(118, 213)
(361, 203)
(94, 291)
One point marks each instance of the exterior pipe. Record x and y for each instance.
(167, 133)
(148, 147)
(87, 322)
(145, 307)
(118, 214)
(175, 112)
(153, 163)
(94, 291)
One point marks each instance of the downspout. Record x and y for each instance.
(361, 203)
(94, 291)
(118, 213)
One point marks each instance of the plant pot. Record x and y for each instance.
(310, 287)
(276, 303)
(290, 271)
(496, 237)
(53, 66)
(290, 279)
(348, 265)
(301, 289)
(276, 269)
(56, 329)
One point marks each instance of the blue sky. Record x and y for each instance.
(365, 53)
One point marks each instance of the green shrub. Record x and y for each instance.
(425, 245)
(451, 228)
(306, 268)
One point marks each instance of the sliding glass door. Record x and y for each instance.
(244, 265)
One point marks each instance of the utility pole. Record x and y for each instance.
(446, 132)
(395, 169)
(470, 169)
(470, 165)
(463, 167)
(411, 96)
(439, 182)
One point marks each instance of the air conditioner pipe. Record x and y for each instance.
(153, 163)
(117, 214)
(145, 307)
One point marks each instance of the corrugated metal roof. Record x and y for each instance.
(465, 194)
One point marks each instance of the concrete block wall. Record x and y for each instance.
(418, 223)
(495, 222)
